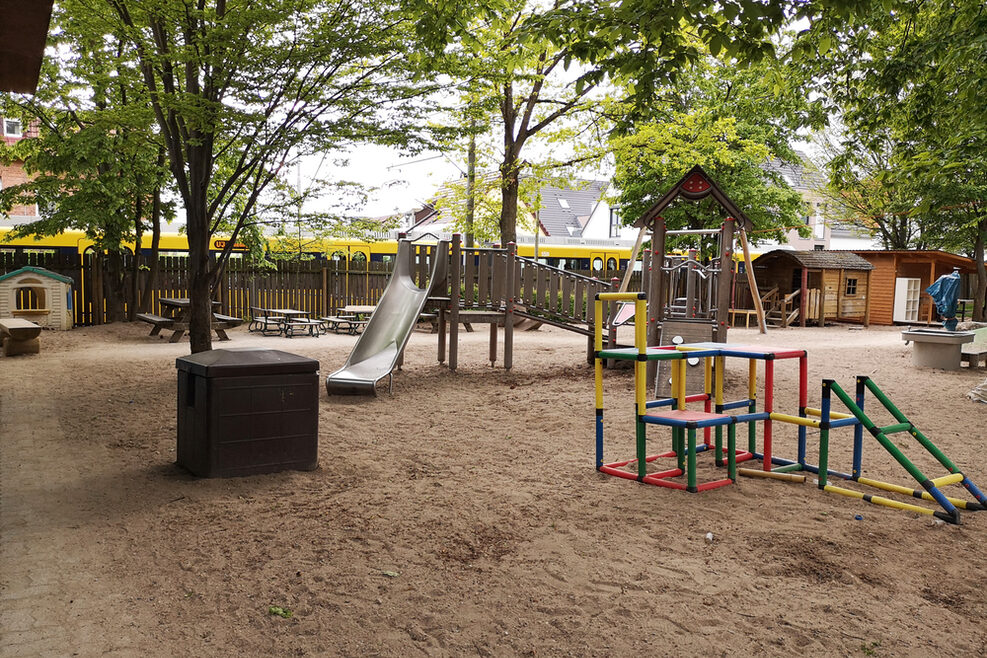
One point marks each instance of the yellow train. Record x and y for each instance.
(570, 257)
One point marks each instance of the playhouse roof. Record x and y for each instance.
(819, 260)
(39, 271)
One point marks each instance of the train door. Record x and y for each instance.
(604, 262)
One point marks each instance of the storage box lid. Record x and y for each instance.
(244, 362)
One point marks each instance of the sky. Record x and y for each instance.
(401, 183)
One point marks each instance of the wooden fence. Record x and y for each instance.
(321, 287)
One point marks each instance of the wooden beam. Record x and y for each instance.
(630, 264)
(755, 295)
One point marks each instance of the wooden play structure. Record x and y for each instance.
(495, 286)
(719, 414)
(37, 295)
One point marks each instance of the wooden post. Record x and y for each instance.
(803, 294)
(656, 289)
(723, 282)
(867, 301)
(822, 299)
(630, 264)
(932, 279)
(752, 282)
(455, 287)
(509, 296)
(98, 314)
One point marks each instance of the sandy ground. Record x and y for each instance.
(463, 516)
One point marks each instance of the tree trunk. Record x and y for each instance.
(471, 185)
(197, 228)
(113, 287)
(509, 196)
(980, 294)
(154, 266)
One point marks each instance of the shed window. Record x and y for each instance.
(851, 287)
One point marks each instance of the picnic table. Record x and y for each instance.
(175, 316)
(295, 322)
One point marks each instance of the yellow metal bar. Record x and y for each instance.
(618, 296)
(720, 368)
(878, 500)
(771, 475)
(641, 343)
(834, 415)
(897, 488)
(708, 377)
(680, 364)
(795, 420)
(752, 379)
(952, 478)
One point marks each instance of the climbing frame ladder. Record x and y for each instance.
(931, 487)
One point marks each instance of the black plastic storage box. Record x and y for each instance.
(247, 411)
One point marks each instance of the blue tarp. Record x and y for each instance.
(945, 291)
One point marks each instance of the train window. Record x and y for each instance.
(597, 264)
(358, 257)
(337, 256)
(611, 263)
(386, 258)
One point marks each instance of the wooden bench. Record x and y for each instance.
(747, 313)
(19, 336)
(972, 353)
(158, 321)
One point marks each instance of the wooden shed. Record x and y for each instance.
(899, 281)
(802, 286)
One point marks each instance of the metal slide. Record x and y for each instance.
(376, 351)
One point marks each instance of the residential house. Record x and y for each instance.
(11, 131)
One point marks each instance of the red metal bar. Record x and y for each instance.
(664, 483)
(803, 381)
(715, 484)
(627, 475)
(769, 397)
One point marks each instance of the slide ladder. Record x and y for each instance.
(931, 487)
(379, 347)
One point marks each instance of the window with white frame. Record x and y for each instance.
(614, 223)
(12, 127)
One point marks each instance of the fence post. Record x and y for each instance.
(509, 306)
(455, 288)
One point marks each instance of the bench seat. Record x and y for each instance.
(973, 354)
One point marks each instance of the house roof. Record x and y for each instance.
(23, 33)
(923, 256)
(802, 175)
(565, 212)
(40, 271)
(819, 260)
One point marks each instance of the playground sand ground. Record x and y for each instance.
(463, 516)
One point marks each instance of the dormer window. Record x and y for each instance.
(12, 127)
(564, 203)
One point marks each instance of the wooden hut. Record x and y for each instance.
(802, 286)
(899, 281)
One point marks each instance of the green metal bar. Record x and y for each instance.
(691, 479)
(718, 445)
(883, 399)
(898, 427)
(732, 451)
(888, 445)
(914, 431)
(787, 468)
(934, 450)
(678, 445)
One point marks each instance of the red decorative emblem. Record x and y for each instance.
(696, 184)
